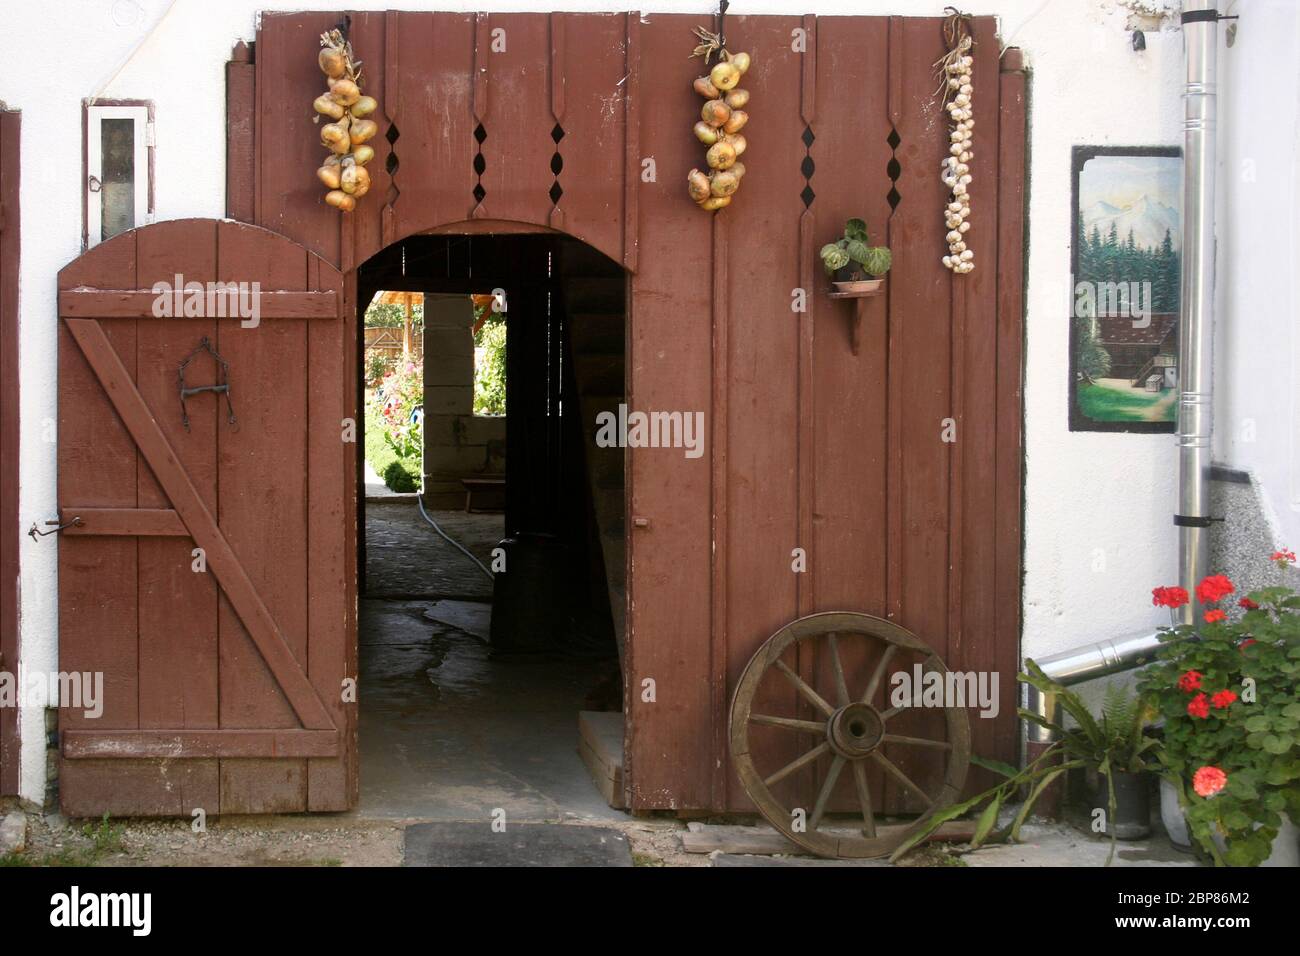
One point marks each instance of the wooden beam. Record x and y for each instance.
(139, 744)
(142, 522)
(225, 564)
(139, 304)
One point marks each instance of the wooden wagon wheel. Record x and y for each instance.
(850, 728)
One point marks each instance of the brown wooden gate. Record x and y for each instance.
(812, 444)
(206, 551)
(224, 686)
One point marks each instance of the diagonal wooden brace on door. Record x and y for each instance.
(221, 558)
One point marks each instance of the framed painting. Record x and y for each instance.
(1126, 206)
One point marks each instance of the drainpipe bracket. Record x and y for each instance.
(1195, 521)
(1204, 16)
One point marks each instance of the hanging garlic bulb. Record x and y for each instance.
(955, 171)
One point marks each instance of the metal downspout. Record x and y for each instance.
(1195, 346)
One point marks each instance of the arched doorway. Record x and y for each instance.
(486, 626)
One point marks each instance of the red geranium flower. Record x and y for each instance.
(1199, 706)
(1248, 604)
(1214, 616)
(1245, 644)
(1169, 597)
(1222, 699)
(1190, 681)
(1208, 781)
(1213, 587)
(1283, 558)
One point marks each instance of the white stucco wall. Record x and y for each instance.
(1098, 532)
(1257, 345)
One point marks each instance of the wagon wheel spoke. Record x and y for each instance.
(916, 741)
(901, 777)
(828, 785)
(864, 797)
(914, 702)
(789, 723)
(878, 674)
(841, 685)
(798, 762)
(809, 694)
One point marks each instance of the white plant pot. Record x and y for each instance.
(1286, 848)
(1171, 815)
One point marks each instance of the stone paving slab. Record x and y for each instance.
(522, 844)
(406, 558)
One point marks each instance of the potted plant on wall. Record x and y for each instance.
(1229, 693)
(854, 265)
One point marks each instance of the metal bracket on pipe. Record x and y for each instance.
(1192, 521)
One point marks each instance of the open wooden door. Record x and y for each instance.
(205, 562)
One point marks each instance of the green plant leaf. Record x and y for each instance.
(997, 766)
(856, 229)
(986, 821)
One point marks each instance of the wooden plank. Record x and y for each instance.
(289, 196)
(177, 652)
(669, 760)
(1009, 400)
(235, 582)
(189, 744)
(850, 448)
(762, 417)
(921, 358)
(131, 522)
(974, 645)
(632, 158)
(591, 76)
(10, 252)
(432, 109)
(97, 466)
(518, 146)
(331, 784)
(137, 788)
(145, 303)
(265, 519)
(719, 508)
(241, 130)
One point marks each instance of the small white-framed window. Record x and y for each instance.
(119, 168)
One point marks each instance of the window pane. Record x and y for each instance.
(117, 191)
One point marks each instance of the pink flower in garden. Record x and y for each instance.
(1190, 681)
(1283, 558)
(1199, 706)
(1208, 781)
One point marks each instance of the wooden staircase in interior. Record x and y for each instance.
(595, 306)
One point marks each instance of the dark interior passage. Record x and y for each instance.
(472, 685)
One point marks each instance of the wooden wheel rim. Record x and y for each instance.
(813, 627)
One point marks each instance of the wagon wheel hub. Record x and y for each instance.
(855, 730)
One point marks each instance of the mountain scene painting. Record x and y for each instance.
(1127, 213)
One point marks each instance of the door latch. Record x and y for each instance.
(57, 524)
